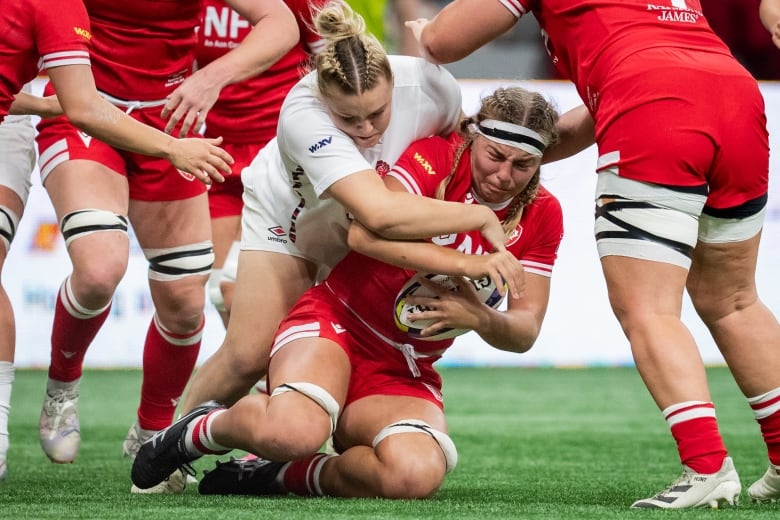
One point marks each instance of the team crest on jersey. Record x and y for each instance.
(382, 168)
(514, 236)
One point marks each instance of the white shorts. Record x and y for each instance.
(275, 219)
(17, 149)
(656, 223)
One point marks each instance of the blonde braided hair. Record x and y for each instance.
(352, 61)
(512, 105)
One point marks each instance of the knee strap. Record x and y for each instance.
(84, 222)
(416, 426)
(174, 263)
(9, 220)
(317, 394)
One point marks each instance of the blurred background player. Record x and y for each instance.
(385, 19)
(680, 203)
(142, 57)
(348, 120)
(245, 116)
(340, 348)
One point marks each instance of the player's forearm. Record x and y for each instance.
(512, 331)
(25, 103)
(271, 37)
(462, 27)
(418, 256)
(576, 132)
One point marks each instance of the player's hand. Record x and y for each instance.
(202, 158)
(417, 26)
(190, 103)
(459, 309)
(776, 34)
(491, 228)
(502, 267)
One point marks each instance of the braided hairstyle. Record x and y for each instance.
(512, 105)
(352, 61)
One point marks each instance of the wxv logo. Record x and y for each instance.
(322, 144)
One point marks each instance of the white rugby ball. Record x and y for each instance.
(486, 291)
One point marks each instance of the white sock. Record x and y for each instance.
(6, 382)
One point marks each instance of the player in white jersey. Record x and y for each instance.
(340, 129)
(340, 365)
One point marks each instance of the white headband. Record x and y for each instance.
(513, 135)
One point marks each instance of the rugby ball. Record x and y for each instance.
(486, 291)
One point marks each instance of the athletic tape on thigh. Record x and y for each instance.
(214, 290)
(9, 220)
(230, 267)
(174, 263)
(416, 426)
(317, 394)
(84, 222)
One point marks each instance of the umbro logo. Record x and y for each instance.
(337, 328)
(277, 230)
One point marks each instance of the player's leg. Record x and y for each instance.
(294, 421)
(646, 233)
(175, 238)
(94, 225)
(267, 286)
(723, 290)
(18, 152)
(225, 232)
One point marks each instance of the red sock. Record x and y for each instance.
(73, 330)
(169, 360)
(302, 477)
(695, 429)
(766, 409)
(199, 440)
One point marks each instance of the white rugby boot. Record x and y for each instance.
(58, 428)
(693, 489)
(767, 488)
(175, 483)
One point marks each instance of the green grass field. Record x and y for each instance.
(533, 443)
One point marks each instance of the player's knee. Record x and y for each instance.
(413, 475)
(414, 468)
(303, 416)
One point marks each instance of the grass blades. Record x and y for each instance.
(533, 443)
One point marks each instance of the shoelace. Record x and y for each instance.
(685, 479)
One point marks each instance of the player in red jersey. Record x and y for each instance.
(245, 116)
(340, 365)
(55, 37)
(680, 203)
(142, 57)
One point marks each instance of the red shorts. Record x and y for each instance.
(225, 198)
(689, 126)
(149, 178)
(377, 368)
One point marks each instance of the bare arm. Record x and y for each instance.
(274, 32)
(460, 28)
(769, 11)
(431, 258)
(513, 330)
(86, 109)
(577, 132)
(25, 103)
(404, 216)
